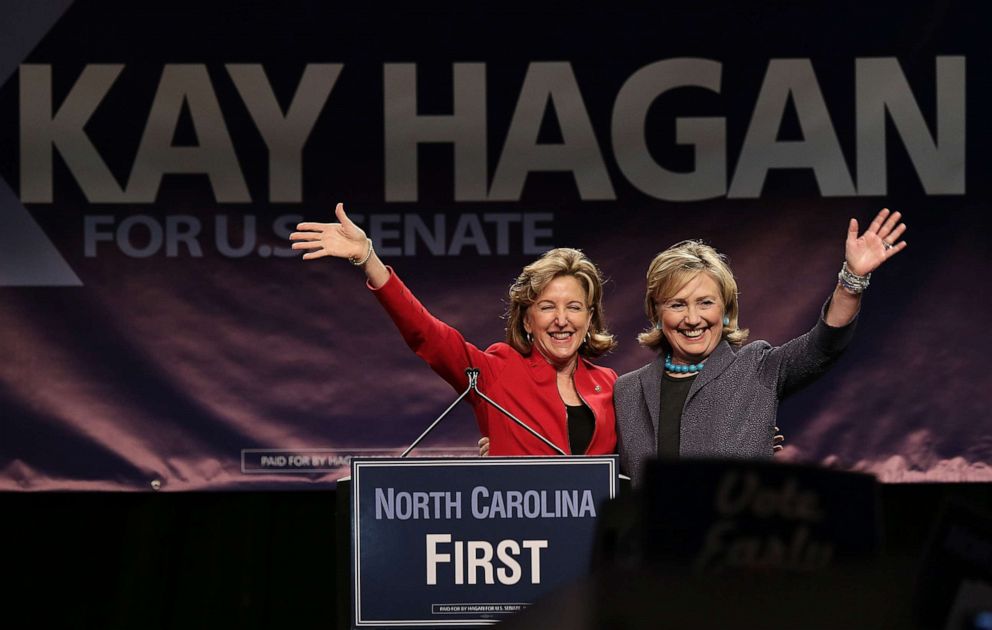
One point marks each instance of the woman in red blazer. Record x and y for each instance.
(541, 373)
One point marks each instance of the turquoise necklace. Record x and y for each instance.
(682, 369)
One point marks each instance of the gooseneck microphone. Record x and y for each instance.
(473, 385)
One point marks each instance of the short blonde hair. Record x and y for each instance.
(556, 263)
(671, 270)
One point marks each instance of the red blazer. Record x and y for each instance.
(526, 386)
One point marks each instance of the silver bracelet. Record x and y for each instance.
(852, 281)
(359, 263)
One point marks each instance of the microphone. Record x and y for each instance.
(473, 385)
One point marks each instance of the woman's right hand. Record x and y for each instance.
(341, 240)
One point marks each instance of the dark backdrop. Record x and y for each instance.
(154, 326)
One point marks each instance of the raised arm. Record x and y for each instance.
(437, 343)
(863, 255)
(341, 240)
(803, 359)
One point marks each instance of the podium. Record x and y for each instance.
(467, 542)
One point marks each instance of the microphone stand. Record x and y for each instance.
(473, 385)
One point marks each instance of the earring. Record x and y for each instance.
(530, 339)
(588, 337)
(726, 320)
(657, 325)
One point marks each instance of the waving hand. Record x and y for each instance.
(867, 252)
(863, 255)
(341, 240)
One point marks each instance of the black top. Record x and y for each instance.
(581, 424)
(673, 394)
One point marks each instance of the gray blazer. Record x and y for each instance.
(731, 407)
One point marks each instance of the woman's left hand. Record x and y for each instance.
(866, 253)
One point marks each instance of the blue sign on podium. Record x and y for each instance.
(467, 542)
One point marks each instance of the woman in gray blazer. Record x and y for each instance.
(709, 394)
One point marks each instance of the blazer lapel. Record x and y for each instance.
(650, 377)
(717, 362)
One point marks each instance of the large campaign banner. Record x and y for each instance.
(158, 331)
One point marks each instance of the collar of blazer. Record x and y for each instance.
(544, 372)
(651, 375)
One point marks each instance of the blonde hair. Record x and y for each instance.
(556, 263)
(671, 270)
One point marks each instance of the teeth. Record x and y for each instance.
(561, 335)
(692, 333)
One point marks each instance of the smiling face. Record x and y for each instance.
(692, 319)
(559, 320)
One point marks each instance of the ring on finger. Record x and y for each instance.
(887, 245)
